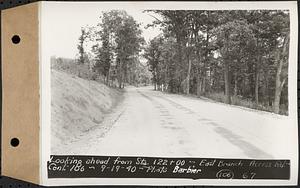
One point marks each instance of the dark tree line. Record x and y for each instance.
(242, 54)
(238, 57)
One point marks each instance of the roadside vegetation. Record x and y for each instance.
(79, 102)
(237, 57)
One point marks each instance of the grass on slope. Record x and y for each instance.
(77, 105)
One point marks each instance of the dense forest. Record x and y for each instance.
(237, 57)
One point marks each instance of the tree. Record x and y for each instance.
(231, 56)
(153, 54)
(104, 51)
(121, 42)
(234, 39)
(85, 34)
(281, 74)
(242, 53)
(175, 23)
(128, 40)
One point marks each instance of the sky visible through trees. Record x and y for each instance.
(237, 57)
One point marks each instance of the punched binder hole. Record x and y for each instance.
(16, 39)
(14, 142)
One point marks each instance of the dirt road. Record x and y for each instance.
(152, 123)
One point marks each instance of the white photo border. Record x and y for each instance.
(45, 91)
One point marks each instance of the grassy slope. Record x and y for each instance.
(77, 105)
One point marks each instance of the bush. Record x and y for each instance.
(220, 97)
(70, 66)
(239, 101)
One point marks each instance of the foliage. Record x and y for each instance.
(239, 52)
(84, 36)
(120, 43)
(235, 56)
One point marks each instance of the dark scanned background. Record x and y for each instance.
(6, 182)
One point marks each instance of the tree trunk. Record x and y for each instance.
(199, 85)
(199, 88)
(189, 42)
(120, 80)
(107, 78)
(257, 70)
(203, 88)
(188, 77)
(235, 92)
(279, 84)
(198, 52)
(206, 60)
(256, 86)
(278, 90)
(119, 73)
(178, 65)
(265, 88)
(278, 87)
(227, 83)
(210, 80)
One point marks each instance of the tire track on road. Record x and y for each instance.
(248, 148)
(178, 106)
(166, 118)
(168, 122)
